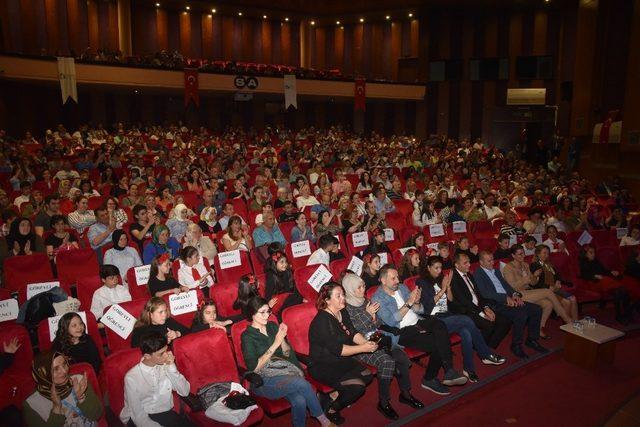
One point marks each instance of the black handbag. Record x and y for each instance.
(236, 400)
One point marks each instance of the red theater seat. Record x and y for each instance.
(19, 271)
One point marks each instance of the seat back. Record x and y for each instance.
(115, 368)
(224, 295)
(299, 252)
(187, 318)
(357, 242)
(76, 263)
(338, 266)
(372, 290)
(24, 356)
(232, 274)
(298, 318)
(19, 271)
(137, 290)
(410, 282)
(205, 357)
(114, 341)
(85, 288)
(301, 277)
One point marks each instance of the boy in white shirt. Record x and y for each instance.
(321, 255)
(110, 293)
(148, 386)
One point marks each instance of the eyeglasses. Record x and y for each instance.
(263, 312)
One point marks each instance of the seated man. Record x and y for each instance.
(148, 400)
(508, 303)
(326, 245)
(401, 309)
(290, 212)
(268, 232)
(99, 234)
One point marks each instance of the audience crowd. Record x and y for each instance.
(419, 240)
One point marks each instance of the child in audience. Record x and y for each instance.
(529, 246)
(111, 292)
(155, 317)
(207, 317)
(72, 341)
(444, 252)
(148, 386)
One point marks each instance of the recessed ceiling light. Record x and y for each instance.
(313, 22)
(239, 13)
(361, 19)
(213, 11)
(286, 19)
(157, 4)
(188, 8)
(387, 17)
(337, 22)
(410, 15)
(264, 16)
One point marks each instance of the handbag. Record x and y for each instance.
(280, 367)
(237, 400)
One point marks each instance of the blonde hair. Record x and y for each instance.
(152, 305)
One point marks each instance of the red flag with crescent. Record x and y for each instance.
(360, 94)
(191, 86)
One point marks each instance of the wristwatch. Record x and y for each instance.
(407, 305)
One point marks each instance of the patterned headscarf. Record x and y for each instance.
(42, 373)
(157, 230)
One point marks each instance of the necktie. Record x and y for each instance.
(196, 274)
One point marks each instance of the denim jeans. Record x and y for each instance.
(297, 391)
(471, 338)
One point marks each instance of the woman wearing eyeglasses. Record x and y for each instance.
(266, 351)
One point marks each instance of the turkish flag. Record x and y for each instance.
(360, 94)
(191, 86)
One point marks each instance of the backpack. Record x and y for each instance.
(38, 308)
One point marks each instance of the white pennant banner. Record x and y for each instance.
(67, 76)
(290, 95)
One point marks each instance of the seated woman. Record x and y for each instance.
(417, 241)
(351, 222)
(302, 230)
(82, 218)
(160, 244)
(193, 273)
(237, 236)
(248, 288)
(205, 246)
(264, 346)
(378, 244)
(436, 297)
(21, 240)
(470, 211)
(551, 279)
(392, 362)
(121, 254)
(608, 282)
(142, 227)
(132, 198)
(371, 270)
(333, 341)
(164, 199)
(632, 238)
(207, 317)
(115, 211)
(209, 220)
(325, 226)
(60, 399)
(161, 282)
(280, 282)
(463, 246)
(428, 215)
(518, 274)
(155, 317)
(180, 221)
(73, 341)
(410, 265)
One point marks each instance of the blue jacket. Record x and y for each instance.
(487, 288)
(389, 314)
(152, 250)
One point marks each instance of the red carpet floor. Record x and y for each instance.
(547, 391)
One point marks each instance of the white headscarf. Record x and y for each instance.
(177, 210)
(350, 283)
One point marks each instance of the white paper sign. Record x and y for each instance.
(389, 235)
(459, 226)
(142, 274)
(436, 230)
(229, 259)
(621, 232)
(404, 250)
(8, 310)
(119, 321)
(300, 249)
(513, 239)
(319, 277)
(355, 265)
(184, 302)
(384, 259)
(538, 237)
(53, 324)
(585, 238)
(34, 289)
(433, 245)
(360, 239)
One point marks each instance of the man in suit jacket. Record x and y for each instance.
(504, 300)
(468, 301)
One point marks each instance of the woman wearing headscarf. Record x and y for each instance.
(121, 254)
(209, 220)
(180, 221)
(390, 360)
(21, 240)
(60, 399)
(161, 243)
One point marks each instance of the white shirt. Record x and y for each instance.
(147, 390)
(103, 297)
(492, 212)
(554, 246)
(185, 275)
(124, 260)
(441, 305)
(319, 257)
(472, 291)
(410, 318)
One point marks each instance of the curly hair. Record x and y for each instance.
(62, 341)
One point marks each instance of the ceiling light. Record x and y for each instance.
(286, 19)
(264, 16)
(313, 22)
(157, 4)
(410, 15)
(213, 11)
(387, 17)
(361, 19)
(188, 8)
(239, 13)
(337, 22)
